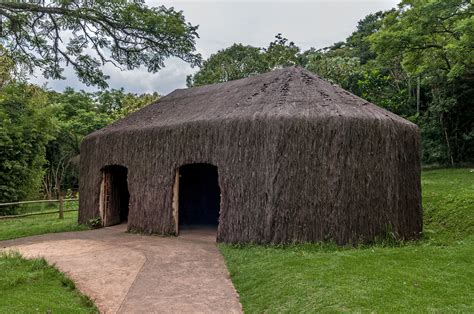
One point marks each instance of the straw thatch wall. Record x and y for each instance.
(298, 158)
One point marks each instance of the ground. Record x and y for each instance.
(131, 273)
(433, 274)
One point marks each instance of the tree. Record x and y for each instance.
(359, 43)
(281, 53)
(7, 67)
(76, 114)
(429, 37)
(341, 70)
(237, 61)
(432, 41)
(118, 104)
(25, 130)
(88, 34)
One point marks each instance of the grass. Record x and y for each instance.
(448, 204)
(33, 225)
(435, 274)
(33, 286)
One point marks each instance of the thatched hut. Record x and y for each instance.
(274, 158)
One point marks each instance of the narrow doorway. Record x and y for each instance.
(114, 195)
(198, 196)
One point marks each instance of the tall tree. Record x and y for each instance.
(88, 34)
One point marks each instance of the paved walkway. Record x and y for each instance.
(129, 273)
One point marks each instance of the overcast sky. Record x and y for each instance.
(221, 23)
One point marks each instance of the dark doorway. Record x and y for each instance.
(199, 195)
(114, 195)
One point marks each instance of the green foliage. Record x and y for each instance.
(34, 286)
(95, 222)
(359, 43)
(239, 61)
(123, 33)
(281, 53)
(7, 66)
(25, 130)
(118, 104)
(341, 70)
(79, 114)
(235, 62)
(384, 90)
(433, 40)
(430, 37)
(41, 133)
(431, 275)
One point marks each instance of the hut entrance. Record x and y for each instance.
(197, 196)
(114, 196)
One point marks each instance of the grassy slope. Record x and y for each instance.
(448, 204)
(33, 225)
(434, 274)
(32, 286)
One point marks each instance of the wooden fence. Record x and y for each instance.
(60, 211)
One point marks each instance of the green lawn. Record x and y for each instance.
(32, 286)
(435, 274)
(33, 225)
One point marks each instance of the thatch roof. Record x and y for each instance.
(298, 159)
(291, 92)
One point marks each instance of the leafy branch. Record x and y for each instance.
(88, 34)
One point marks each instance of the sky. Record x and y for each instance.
(222, 23)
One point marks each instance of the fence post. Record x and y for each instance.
(61, 207)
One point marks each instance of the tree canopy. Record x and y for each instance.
(240, 61)
(88, 34)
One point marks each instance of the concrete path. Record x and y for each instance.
(129, 273)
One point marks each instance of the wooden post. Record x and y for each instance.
(418, 95)
(61, 207)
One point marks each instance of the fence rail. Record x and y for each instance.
(61, 210)
(38, 201)
(34, 214)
